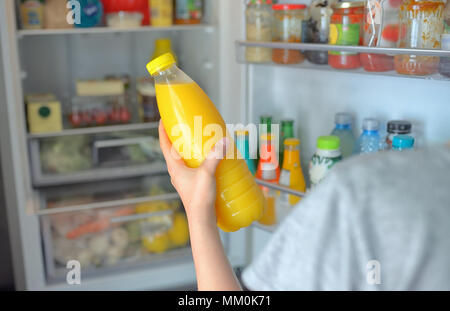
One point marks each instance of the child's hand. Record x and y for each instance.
(196, 187)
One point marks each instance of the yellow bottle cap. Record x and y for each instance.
(160, 63)
(241, 132)
(291, 142)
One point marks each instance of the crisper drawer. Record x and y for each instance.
(113, 227)
(79, 158)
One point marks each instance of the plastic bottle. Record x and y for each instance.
(185, 110)
(242, 144)
(267, 154)
(343, 130)
(292, 174)
(269, 174)
(402, 142)
(328, 153)
(370, 140)
(287, 131)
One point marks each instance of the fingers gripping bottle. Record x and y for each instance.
(194, 126)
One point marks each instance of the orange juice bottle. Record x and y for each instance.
(270, 214)
(194, 126)
(291, 173)
(267, 154)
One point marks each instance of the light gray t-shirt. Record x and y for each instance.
(380, 218)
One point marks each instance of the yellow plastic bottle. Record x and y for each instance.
(194, 126)
(292, 174)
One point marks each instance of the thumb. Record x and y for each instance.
(216, 155)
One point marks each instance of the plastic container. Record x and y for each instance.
(148, 107)
(402, 142)
(287, 27)
(421, 26)
(181, 102)
(444, 66)
(343, 130)
(124, 20)
(292, 174)
(258, 28)
(380, 30)
(242, 143)
(270, 213)
(396, 127)
(370, 140)
(318, 29)
(287, 131)
(32, 14)
(129, 6)
(328, 153)
(188, 12)
(346, 28)
(161, 13)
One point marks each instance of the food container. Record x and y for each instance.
(32, 14)
(421, 26)
(258, 17)
(148, 107)
(161, 13)
(130, 6)
(318, 29)
(380, 30)
(188, 11)
(124, 20)
(346, 29)
(287, 27)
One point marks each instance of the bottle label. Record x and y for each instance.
(319, 167)
(188, 9)
(341, 34)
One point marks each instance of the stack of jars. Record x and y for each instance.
(412, 24)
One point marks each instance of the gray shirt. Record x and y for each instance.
(376, 222)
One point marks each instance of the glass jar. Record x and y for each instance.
(346, 28)
(258, 26)
(421, 26)
(394, 128)
(188, 12)
(287, 27)
(380, 30)
(318, 29)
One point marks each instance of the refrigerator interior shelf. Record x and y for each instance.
(107, 30)
(279, 188)
(97, 130)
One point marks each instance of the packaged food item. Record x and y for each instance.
(318, 29)
(43, 113)
(163, 46)
(421, 26)
(287, 131)
(32, 14)
(128, 6)
(269, 216)
(292, 173)
(267, 155)
(161, 13)
(148, 107)
(239, 199)
(346, 29)
(242, 143)
(103, 87)
(370, 140)
(444, 65)
(91, 13)
(402, 142)
(55, 12)
(124, 20)
(328, 153)
(258, 27)
(343, 130)
(287, 27)
(396, 127)
(380, 30)
(188, 11)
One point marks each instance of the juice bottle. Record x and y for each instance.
(292, 174)
(194, 126)
(267, 154)
(270, 214)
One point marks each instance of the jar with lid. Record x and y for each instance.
(258, 16)
(421, 26)
(396, 127)
(287, 27)
(380, 30)
(148, 108)
(318, 28)
(403, 142)
(346, 28)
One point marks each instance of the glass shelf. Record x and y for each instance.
(105, 30)
(241, 45)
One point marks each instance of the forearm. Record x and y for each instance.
(213, 270)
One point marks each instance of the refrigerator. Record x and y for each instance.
(43, 202)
